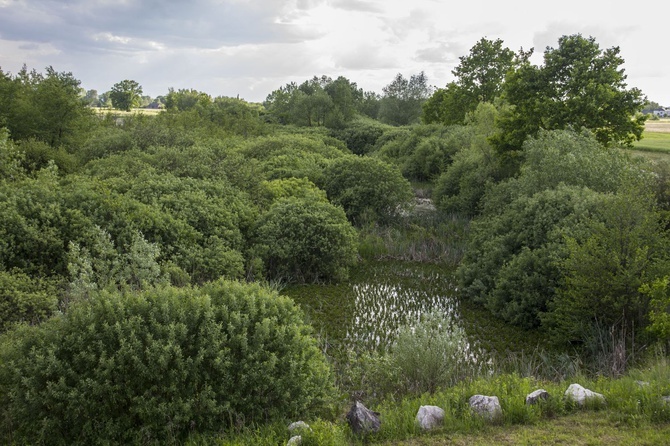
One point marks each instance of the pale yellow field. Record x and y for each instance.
(115, 112)
(660, 126)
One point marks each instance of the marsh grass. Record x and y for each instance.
(427, 237)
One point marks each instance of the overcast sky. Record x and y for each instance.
(252, 47)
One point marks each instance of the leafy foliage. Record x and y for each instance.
(462, 183)
(605, 269)
(402, 99)
(151, 367)
(366, 185)
(126, 94)
(579, 86)
(23, 299)
(46, 106)
(319, 101)
(306, 240)
(479, 78)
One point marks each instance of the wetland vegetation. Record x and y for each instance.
(205, 274)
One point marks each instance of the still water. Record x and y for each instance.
(367, 311)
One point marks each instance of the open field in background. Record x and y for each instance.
(655, 143)
(659, 126)
(115, 112)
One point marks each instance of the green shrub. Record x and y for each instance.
(304, 240)
(152, 367)
(366, 185)
(362, 134)
(23, 299)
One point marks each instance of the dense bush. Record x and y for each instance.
(366, 187)
(625, 246)
(306, 240)
(152, 367)
(293, 155)
(463, 182)
(23, 299)
(361, 135)
(510, 262)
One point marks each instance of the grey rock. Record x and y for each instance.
(486, 406)
(536, 396)
(580, 395)
(665, 399)
(430, 417)
(362, 420)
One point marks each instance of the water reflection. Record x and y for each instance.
(368, 312)
(381, 308)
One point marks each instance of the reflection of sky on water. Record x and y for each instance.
(381, 307)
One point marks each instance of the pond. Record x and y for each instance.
(366, 312)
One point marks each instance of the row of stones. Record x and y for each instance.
(362, 420)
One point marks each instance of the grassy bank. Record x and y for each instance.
(582, 428)
(634, 413)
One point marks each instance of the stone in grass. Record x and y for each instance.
(430, 417)
(486, 406)
(298, 426)
(581, 395)
(536, 396)
(362, 420)
(665, 399)
(296, 440)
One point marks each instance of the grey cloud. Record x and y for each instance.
(357, 5)
(416, 20)
(78, 24)
(442, 53)
(605, 37)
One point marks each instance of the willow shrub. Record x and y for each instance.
(156, 366)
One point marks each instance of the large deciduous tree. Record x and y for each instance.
(126, 94)
(46, 106)
(319, 101)
(479, 78)
(579, 86)
(402, 99)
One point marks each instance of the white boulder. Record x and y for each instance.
(430, 417)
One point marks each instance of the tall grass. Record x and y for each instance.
(430, 236)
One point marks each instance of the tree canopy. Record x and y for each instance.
(126, 94)
(578, 86)
(479, 78)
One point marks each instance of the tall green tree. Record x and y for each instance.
(126, 94)
(479, 78)
(45, 106)
(402, 99)
(320, 101)
(185, 99)
(578, 86)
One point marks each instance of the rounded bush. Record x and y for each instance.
(306, 240)
(363, 185)
(153, 367)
